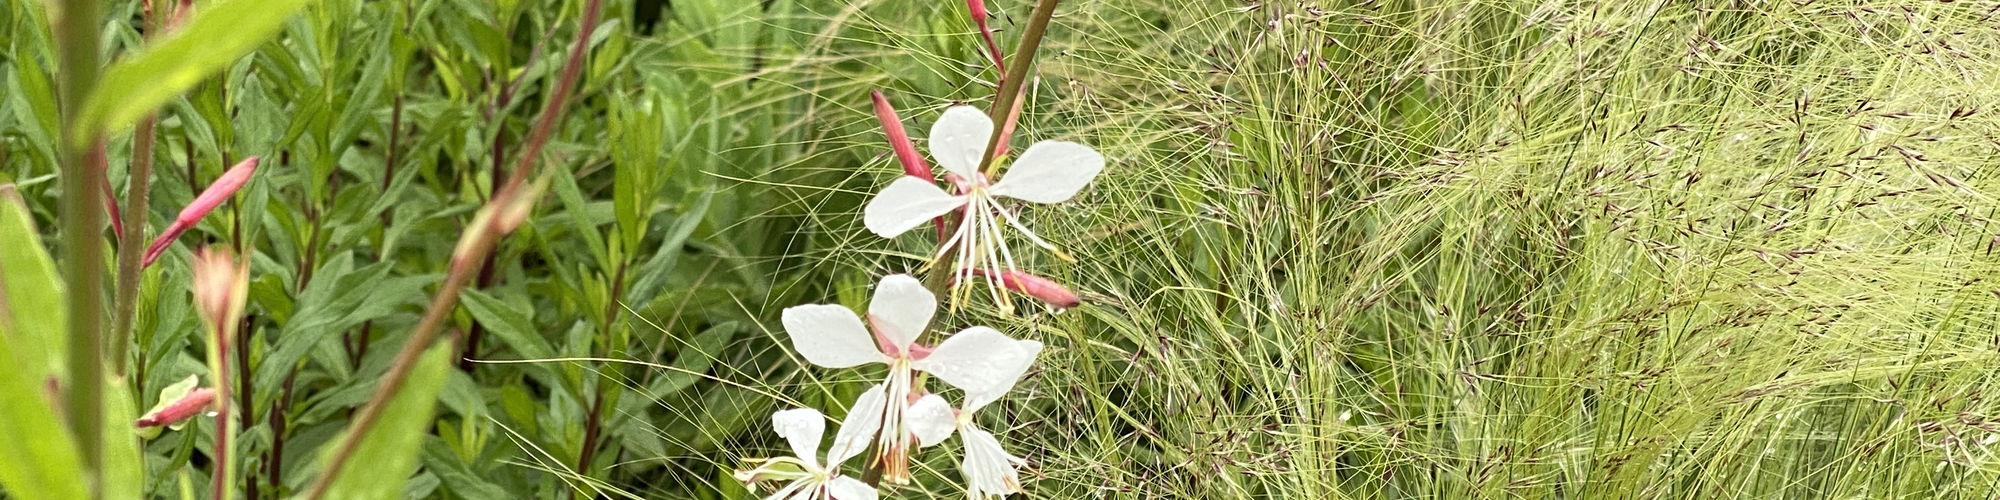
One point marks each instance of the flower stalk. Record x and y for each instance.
(501, 215)
(76, 32)
(1004, 104)
(221, 284)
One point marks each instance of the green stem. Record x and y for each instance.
(130, 251)
(1003, 106)
(76, 32)
(484, 235)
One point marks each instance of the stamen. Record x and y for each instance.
(1011, 220)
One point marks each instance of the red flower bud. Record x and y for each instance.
(899, 139)
(219, 191)
(1038, 287)
(182, 409)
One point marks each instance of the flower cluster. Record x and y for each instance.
(897, 416)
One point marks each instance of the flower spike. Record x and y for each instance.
(979, 15)
(217, 192)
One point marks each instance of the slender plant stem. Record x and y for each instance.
(76, 30)
(463, 266)
(130, 252)
(225, 425)
(538, 136)
(138, 186)
(1003, 113)
(465, 262)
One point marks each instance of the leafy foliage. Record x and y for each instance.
(1340, 249)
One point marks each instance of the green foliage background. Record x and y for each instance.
(1393, 248)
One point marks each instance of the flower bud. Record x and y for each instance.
(899, 139)
(1031, 285)
(181, 409)
(217, 192)
(220, 284)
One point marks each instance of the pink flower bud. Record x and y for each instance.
(220, 283)
(182, 409)
(899, 139)
(979, 16)
(219, 191)
(1038, 287)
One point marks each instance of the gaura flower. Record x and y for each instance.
(989, 470)
(1047, 172)
(976, 360)
(804, 476)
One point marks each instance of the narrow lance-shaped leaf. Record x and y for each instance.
(202, 45)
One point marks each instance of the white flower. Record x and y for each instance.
(989, 470)
(804, 476)
(1047, 172)
(976, 360)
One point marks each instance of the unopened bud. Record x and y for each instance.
(899, 139)
(194, 403)
(220, 284)
(217, 192)
(1031, 285)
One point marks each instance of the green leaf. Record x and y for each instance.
(514, 329)
(219, 33)
(40, 459)
(388, 455)
(124, 467)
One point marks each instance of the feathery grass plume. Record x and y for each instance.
(216, 193)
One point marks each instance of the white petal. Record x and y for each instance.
(907, 203)
(988, 469)
(847, 488)
(958, 139)
(931, 419)
(904, 308)
(831, 336)
(1049, 172)
(802, 427)
(980, 361)
(858, 429)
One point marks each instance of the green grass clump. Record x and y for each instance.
(1397, 248)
